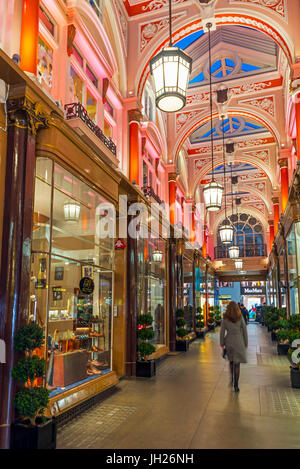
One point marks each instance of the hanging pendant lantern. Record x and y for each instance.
(171, 70)
(157, 256)
(226, 233)
(213, 193)
(234, 252)
(72, 211)
(239, 264)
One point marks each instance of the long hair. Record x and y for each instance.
(233, 312)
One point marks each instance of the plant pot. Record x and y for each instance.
(182, 345)
(211, 327)
(200, 334)
(282, 349)
(273, 336)
(34, 436)
(145, 369)
(218, 323)
(295, 377)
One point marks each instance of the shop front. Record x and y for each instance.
(151, 287)
(72, 278)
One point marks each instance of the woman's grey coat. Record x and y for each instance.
(234, 336)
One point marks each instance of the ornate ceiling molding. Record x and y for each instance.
(264, 103)
(251, 142)
(243, 89)
(149, 30)
(273, 30)
(277, 6)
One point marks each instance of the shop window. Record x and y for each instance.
(145, 174)
(76, 87)
(151, 286)
(109, 107)
(67, 248)
(107, 129)
(83, 85)
(91, 76)
(91, 106)
(47, 21)
(77, 55)
(45, 64)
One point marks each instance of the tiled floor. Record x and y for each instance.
(189, 404)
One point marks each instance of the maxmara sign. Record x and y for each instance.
(253, 291)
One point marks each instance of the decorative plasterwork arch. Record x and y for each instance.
(120, 44)
(92, 16)
(202, 118)
(155, 135)
(246, 209)
(219, 160)
(250, 18)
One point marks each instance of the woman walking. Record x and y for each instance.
(234, 339)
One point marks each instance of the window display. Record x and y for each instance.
(71, 277)
(293, 256)
(188, 292)
(151, 288)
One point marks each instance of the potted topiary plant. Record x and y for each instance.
(200, 326)
(182, 342)
(32, 430)
(283, 342)
(218, 318)
(144, 366)
(211, 319)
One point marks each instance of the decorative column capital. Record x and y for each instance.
(135, 115)
(275, 200)
(172, 177)
(283, 163)
(36, 114)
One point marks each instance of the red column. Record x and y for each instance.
(284, 177)
(134, 165)
(297, 110)
(275, 201)
(172, 197)
(29, 35)
(271, 224)
(204, 246)
(193, 231)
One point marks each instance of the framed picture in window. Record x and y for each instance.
(88, 271)
(59, 273)
(57, 293)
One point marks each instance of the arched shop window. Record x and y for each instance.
(248, 234)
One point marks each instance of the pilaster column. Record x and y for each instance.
(195, 261)
(297, 112)
(284, 177)
(29, 35)
(134, 117)
(172, 294)
(275, 201)
(131, 310)
(180, 275)
(172, 196)
(271, 225)
(24, 119)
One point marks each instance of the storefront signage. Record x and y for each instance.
(120, 245)
(253, 291)
(86, 286)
